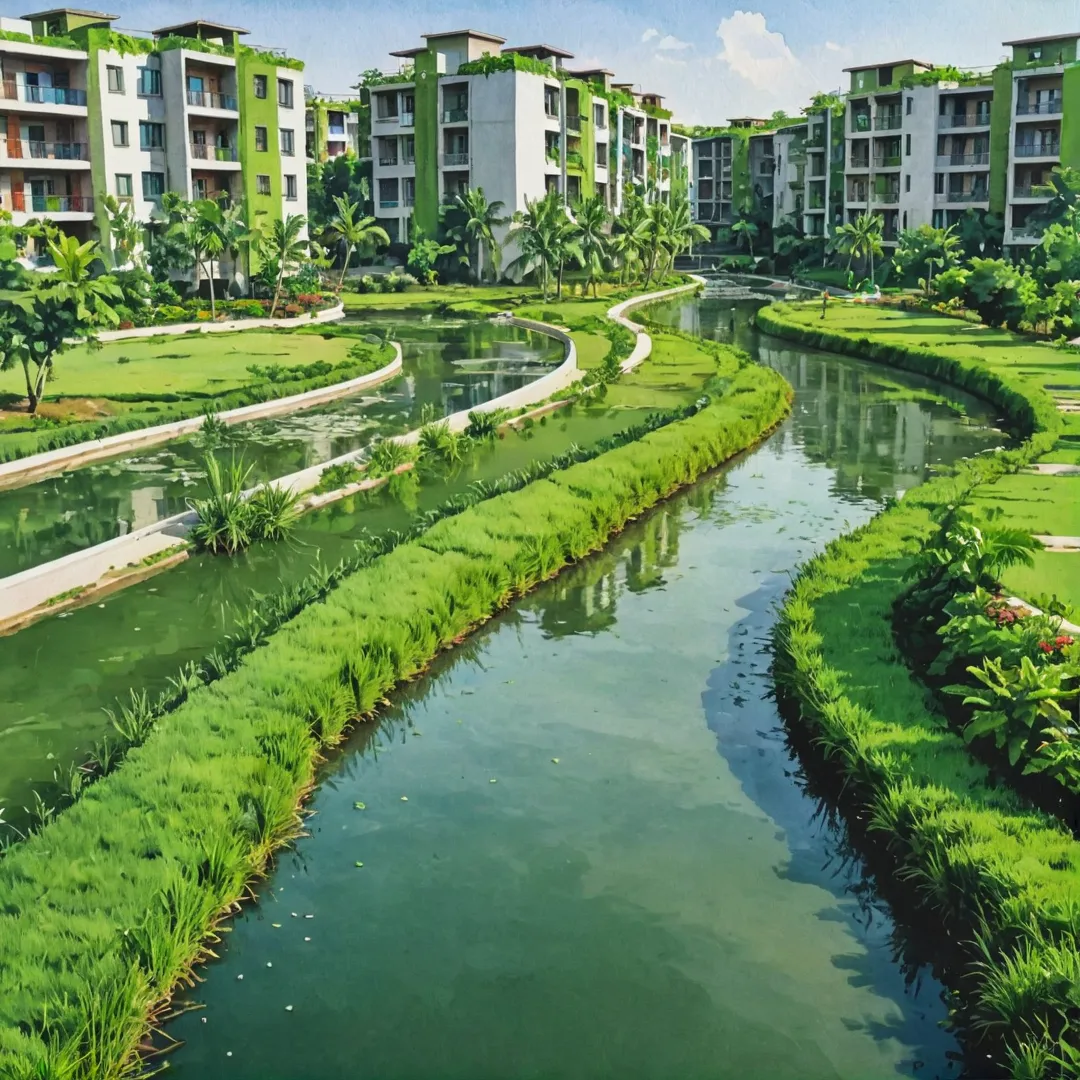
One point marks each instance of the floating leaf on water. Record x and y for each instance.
(404, 798)
(554, 761)
(288, 1008)
(276, 926)
(493, 781)
(358, 864)
(359, 806)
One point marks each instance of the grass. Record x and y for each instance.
(106, 908)
(1002, 878)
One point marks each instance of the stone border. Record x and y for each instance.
(22, 470)
(643, 346)
(324, 316)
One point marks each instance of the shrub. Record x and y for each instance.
(292, 310)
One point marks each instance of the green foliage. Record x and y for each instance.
(388, 455)
(338, 476)
(423, 256)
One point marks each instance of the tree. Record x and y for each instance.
(981, 233)
(423, 256)
(344, 176)
(1063, 188)
(626, 243)
(476, 229)
(860, 239)
(40, 324)
(994, 290)
(285, 248)
(353, 231)
(654, 233)
(745, 229)
(592, 221)
(929, 247)
(546, 239)
(125, 231)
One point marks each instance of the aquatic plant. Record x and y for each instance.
(386, 455)
(337, 476)
(485, 423)
(274, 510)
(224, 523)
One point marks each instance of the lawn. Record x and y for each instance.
(193, 363)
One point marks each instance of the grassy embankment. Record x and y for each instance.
(1002, 878)
(109, 906)
(125, 385)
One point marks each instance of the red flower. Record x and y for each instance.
(1063, 641)
(1046, 647)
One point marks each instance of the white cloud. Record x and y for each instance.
(758, 54)
(649, 34)
(833, 47)
(670, 43)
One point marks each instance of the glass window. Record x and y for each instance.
(907, 181)
(116, 79)
(151, 135)
(909, 101)
(261, 143)
(119, 133)
(153, 185)
(285, 93)
(288, 142)
(290, 187)
(1036, 53)
(123, 185)
(907, 145)
(260, 86)
(149, 82)
(262, 184)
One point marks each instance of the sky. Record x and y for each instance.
(711, 61)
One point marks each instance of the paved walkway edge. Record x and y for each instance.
(643, 345)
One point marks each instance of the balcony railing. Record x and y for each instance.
(206, 152)
(455, 116)
(887, 121)
(45, 151)
(386, 162)
(860, 122)
(390, 118)
(947, 160)
(859, 163)
(454, 161)
(551, 111)
(407, 119)
(976, 195)
(887, 161)
(51, 204)
(574, 121)
(387, 204)
(42, 95)
(1028, 191)
(887, 197)
(815, 142)
(957, 120)
(816, 204)
(1027, 232)
(336, 129)
(208, 99)
(858, 195)
(1045, 149)
(1032, 108)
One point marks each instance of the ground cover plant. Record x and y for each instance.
(998, 874)
(104, 910)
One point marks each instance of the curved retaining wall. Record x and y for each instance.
(327, 315)
(643, 346)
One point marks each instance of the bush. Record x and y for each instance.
(292, 310)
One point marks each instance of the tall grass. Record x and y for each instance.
(118, 893)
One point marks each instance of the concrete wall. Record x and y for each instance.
(292, 119)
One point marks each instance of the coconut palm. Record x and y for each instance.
(625, 242)
(592, 220)
(745, 229)
(533, 231)
(654, 232)
(477, 231)
(683, 229)
(860, 239)
(353, 231)
(285, 248)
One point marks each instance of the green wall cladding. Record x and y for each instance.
(1000, 123)
(1070, 116)
(1053, 52)
(742, 190)
(259, 210)
(95, 128)
(426, 132)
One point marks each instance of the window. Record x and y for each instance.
(939, 183)
(904, 225)
(119, 133)
(1035, 53)
(123, 185)
(408, 149)
(290, 188)
(116, 79)
(907, 181)
(261, 142)
(260, 86)
(153, 185)
(288, 142)
(262, 184)
(149, 82)
(285, 93)
(599, 118)
(907, 145)
(909, 101)
(151, 135)
(601, 155)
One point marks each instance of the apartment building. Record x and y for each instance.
(465, 110)
(97, 112)
(336, 124)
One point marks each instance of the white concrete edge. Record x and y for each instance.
(36, 466)
(643, 345)
(1016, 602)
(227, 326)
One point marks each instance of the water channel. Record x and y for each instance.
(451, 365)
(587, 849)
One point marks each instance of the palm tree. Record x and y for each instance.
(592, 220)
(684, 230)
(654, 232)
(532, 233)
(353, 231)
(745, 229)
(477, 230)
(212, 229)
(285, 247)
(860, 239)
(626, 241)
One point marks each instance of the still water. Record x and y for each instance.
(449, 365)
(587, 849)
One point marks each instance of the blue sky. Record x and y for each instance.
(712, 61)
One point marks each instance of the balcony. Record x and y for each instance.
(43, 95)
(889, 198)
(858, 195)
(407, 119)
(207, 99)
(388, 204)
(51, 204)
(206, 152)
(1030, 191)
(45, 151)
(455, 116)
(1044, 149)
(574, 160)
(860, 122)
(551, 110)
(887, 161)
(388, 162)
(336, 129)
(1038, 108)
(816, 142)
(455, 161)
(574, 121)
(945, 121)
(860, 163)
(887, 121)
(957, 160)
(975, 196)
(409, 200)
